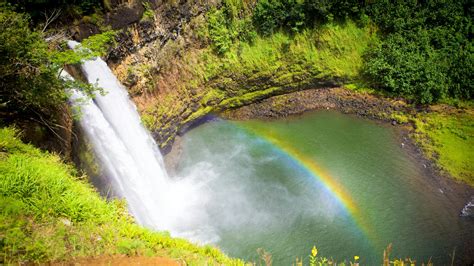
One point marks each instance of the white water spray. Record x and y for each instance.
(222, 199)
(129, 157)
(217, 195)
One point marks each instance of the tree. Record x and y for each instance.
(426, 53)
(28, 80)
(30, 84)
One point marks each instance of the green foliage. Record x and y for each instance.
(448, 138)
(427, 53)
(49, 213)
(29, 71)
(148, 14)
(229, 24)
(27, 77)
(232, 8)
(412, 69)
(219, 31)
(244, 30)
(272, 15)
(98, 45)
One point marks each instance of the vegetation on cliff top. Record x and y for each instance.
(421, 50)
(424, 53)
(253, 50)
(30, 67)
(426, 48)
(50, 213)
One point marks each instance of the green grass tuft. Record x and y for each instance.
(333, 51)
(49, 213)
(266, 66)
(448, 138)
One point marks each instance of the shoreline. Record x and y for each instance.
(361, 104)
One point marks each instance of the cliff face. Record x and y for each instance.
(165, 57)
(152, 36)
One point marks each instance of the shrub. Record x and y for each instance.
(219, 32)
(408, 68)
(27, 78)
(426, 52)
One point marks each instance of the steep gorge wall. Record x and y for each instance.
(175, 78)
(151, 37)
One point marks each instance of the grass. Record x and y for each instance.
(284, 62)
(331, 52)
(447, 136)
(268, 66)
(148, 14)
(445, 133)
(49, 213)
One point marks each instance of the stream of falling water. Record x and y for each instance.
(131, 161)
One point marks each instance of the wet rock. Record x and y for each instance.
(84, 30)
(124, 16)
(131, 80)
(468, 210)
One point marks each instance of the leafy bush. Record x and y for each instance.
(27, 78)
(407, 68)
(219, 32)
(29, 68)
(427, 51)
(225, 27)
(272, 15)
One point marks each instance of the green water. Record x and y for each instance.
(260, 197)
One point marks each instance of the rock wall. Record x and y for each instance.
(148, 34)
(154, 37)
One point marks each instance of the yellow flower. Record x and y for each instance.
(356, 257)
(314, 251)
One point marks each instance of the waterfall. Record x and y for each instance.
(109, 149)
(129, 157)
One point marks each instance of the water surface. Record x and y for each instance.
(261, 194)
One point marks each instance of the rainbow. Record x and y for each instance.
(335, 188)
